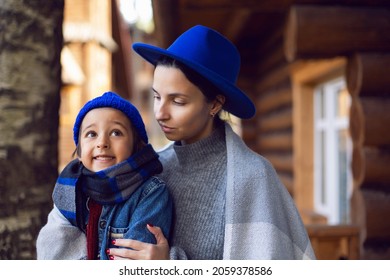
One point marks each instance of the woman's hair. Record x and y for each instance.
(206, 87)
(138, 143)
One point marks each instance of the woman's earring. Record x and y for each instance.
(212, 114)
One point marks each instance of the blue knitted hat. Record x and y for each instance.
(111, 100)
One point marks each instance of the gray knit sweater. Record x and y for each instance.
(196, 176)
(261, 219)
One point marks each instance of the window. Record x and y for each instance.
(332, 151)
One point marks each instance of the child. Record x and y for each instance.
(110, 190)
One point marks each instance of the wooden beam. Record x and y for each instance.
(276, 121)
(249, 131)
(313, 72)
(328, 31)
(368, 207)
(254, 5)
(368, 74)
(370, 167)
(377, 162)
(370, 121)
(271, 59)
(282, 162)
(356, 120)
(281, 141)
(270, 5)
(277, 76)
(274, 99)
(236, 23)
(269, 52)
(166, 19)
(377, 207)
(372, 3)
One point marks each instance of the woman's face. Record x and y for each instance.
(106, 138)
(180, 107)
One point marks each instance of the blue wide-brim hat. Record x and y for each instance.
(111, 100)
(211, 55)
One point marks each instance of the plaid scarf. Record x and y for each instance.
(109, 186)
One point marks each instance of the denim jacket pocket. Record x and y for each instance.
(117, 233)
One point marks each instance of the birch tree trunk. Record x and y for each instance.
(30, 82)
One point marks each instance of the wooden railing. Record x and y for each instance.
(334, 242)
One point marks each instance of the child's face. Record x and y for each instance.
(106, 138)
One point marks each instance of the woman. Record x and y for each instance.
(228, 200)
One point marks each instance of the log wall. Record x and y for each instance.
(273, 100)
(359, 33)
(369, 86)
(315, 31)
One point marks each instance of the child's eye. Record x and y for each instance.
(90, 134)
(116, 133)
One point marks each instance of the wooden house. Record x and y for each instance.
(95, 58)
(317, 72)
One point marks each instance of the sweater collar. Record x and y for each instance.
(200, 151)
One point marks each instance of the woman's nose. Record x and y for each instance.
(160, 111)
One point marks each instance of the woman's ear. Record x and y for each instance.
(218, 103)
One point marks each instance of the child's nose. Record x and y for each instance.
(103, 143)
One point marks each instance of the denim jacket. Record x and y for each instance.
(150, 203)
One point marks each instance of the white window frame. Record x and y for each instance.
(326, 198)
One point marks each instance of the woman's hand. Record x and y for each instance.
(141, 250)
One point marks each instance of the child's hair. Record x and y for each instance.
(112, 100)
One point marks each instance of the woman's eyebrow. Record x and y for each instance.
(172, 94)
